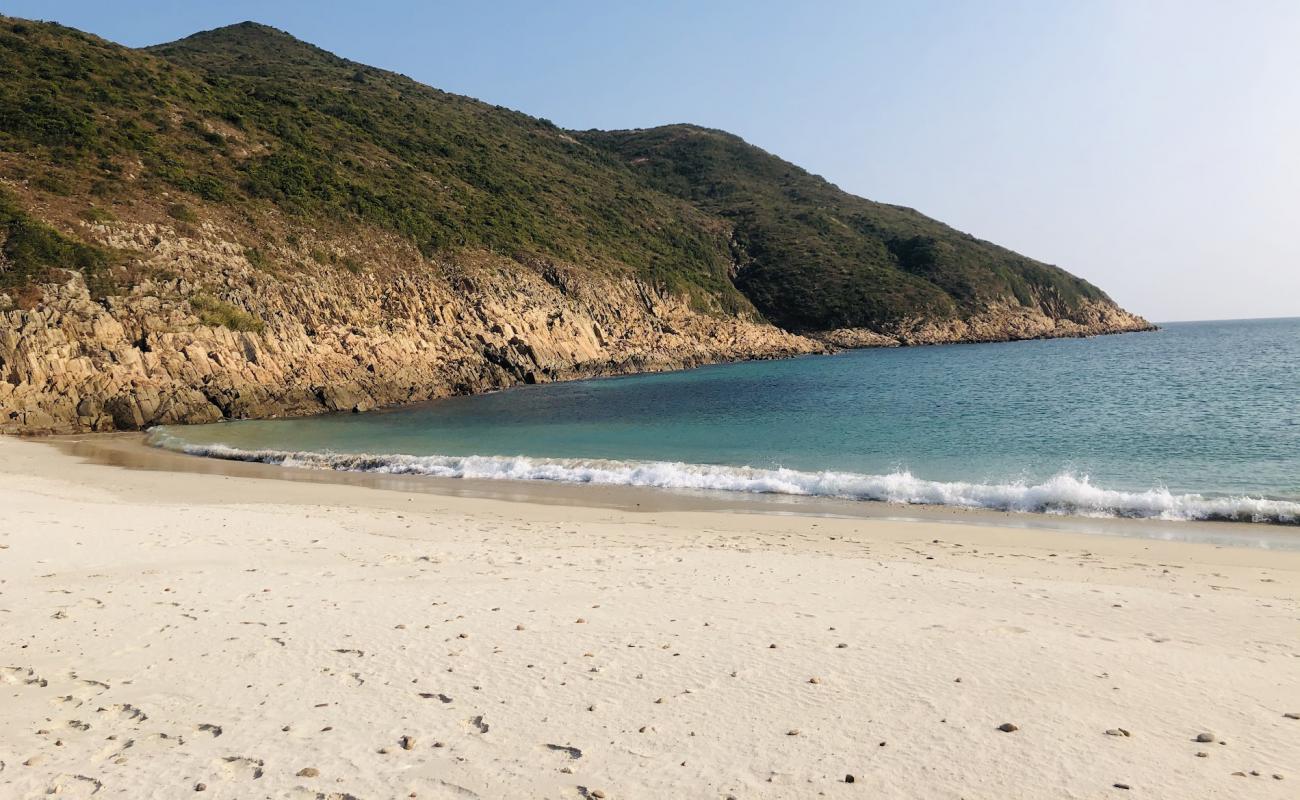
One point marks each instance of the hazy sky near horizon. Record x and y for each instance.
(1150, 146)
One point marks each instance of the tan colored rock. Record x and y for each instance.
(329, 340)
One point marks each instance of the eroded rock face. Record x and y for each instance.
(211, 336)
(998, 324)
(330, 340)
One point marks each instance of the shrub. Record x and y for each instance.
(182, 212)
(97, 214)
(218, 313)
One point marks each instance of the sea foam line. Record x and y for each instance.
(1065, 493)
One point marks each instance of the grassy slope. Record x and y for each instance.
(814, 257)
(248, 121)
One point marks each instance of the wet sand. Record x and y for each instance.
(130, 450)
(189, 622)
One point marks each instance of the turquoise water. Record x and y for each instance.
(1198, 420)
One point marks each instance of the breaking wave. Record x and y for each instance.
(1066, 493)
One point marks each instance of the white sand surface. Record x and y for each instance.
(263, 638)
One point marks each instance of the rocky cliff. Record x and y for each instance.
(211, 336)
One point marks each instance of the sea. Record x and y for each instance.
(1196, 421)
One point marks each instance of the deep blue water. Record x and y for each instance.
(1197, 420)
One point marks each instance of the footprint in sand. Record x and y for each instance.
(124, 712)
(74, 786)
(22, 676)
(237, 766)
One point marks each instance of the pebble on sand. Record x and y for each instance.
(849, 778)
(200, 787)
(1292, 715)
(308, 772)
(407, 742)
(1205, 738)
(1008, 727)
(1122, 786)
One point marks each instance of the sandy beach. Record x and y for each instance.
(170, 633)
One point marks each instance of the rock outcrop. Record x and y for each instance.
(207, 335)
(997, 324)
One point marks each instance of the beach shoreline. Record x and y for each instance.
(166, 627)
(132, 451)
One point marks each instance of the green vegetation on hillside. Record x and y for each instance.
(30, 251)
(813, 257)
(278, 134)
(248, 117)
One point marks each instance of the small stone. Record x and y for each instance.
(596, 793)
(566, 769)
(439, 744)
(407, 742)
(849, 778)
(1205, 738)
(660, 700)
(814, 679)
(462, 636)
(308, 772)
(841, 646)
(581, 621)
(772, 646)
(519, 627)
(1202, 754)
(1121, 786)
(1277, 776)
(200, 787)
(1292, 715)
(1255, 773)
(1238, 774)
(1008, 727)
(792, 732)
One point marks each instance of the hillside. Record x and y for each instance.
(248, 118)
(814, 258)
(242, 224)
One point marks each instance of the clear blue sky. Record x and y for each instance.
(1151, 147)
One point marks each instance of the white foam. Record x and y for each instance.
(1065, 493)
